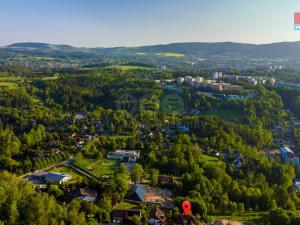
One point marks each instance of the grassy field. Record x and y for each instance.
(8, 84)
(99, 167)
(125, 205)
(213, 160)
(105, 168)
(127, 68)
(247, 217)
(225, 114)
(41, 58)
(170, 54)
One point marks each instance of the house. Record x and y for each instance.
(216, 75)
(286, 153)
(150, 196)
(180, 80)
(296, 123)
(183, 128)
(164, 179)
(119, 215)
(214, 153)
(157, 217)
(130, 156)
(188, 79)
(237, 163)
(85, 194)
(237, 155)
(52, 177)
(297, 185)
(288, 156)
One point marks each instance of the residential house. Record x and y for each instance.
(85, 194)
(130, 156)
(157, 217)
(164, 179)
(287, 156)
(120, 215)
(150, 196)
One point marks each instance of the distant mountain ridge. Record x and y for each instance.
(201, 49)
(40, 46)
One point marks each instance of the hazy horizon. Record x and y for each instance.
(133, 46)
(132, 23)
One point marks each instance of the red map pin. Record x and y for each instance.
(186, 206)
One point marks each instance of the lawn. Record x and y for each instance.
(105, 168)
(8, 84)
(10, 79)
(213, 160)
(125, 205)
(99, 167)
(41, 58)
(170, 54)
(225, 114)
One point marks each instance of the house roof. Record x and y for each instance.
(137, 193)
(52, 177)
(151, 195)
(158, 214)
(87, 192)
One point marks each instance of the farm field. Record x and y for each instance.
(170, 54)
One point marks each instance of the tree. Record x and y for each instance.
(240, 207)
(279, 216)
(136, 173)
(9, 143)
(136, 220)
(123, 169)
(55, 191)
(154, 176)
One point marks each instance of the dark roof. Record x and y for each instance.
(86, 192)
(165, 179)
(137, 193)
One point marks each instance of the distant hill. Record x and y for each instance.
(40, 46)
(284, 49)
(199, 49)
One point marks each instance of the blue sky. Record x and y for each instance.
(103, 23)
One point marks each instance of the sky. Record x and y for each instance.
(110, 23)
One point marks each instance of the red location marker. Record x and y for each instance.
(186, 206)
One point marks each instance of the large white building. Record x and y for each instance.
(124, 155)
(217, 75)
(180, 80)
(52, 177)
